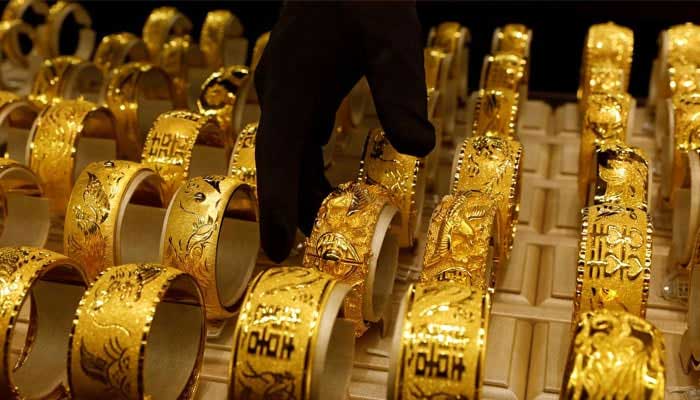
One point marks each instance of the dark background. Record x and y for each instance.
(558, 28)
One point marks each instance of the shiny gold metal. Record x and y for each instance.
(96, 209)
(452, 38)
(512, 38)
(242, 164)
(22, 271)
(119, 320)
(10, 34)
(18, 180)
(608, 44)
(49, 38)
(19, 113)
(118, 49)
(621, 177)
(177, 57)
(52, 79)
(219, 26)
(54, 141)
(258, 49)
(504, 71)
(442, 342)
(15, 9)
(496, 113)
(402, 175)
(163, 24)
(601, 79)
(682, 57)
(615, 355)
(686, 138)
(168, 147)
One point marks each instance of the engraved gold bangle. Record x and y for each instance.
(491, 165)
(512, 38)
(54, 151)
(177, 57)
(118, 49)
(17, 116)
(614, 260)
(621, 177)
(132, 310)
(463, 230)
(685, 137)
(611, 44)
(288, 329)
(66, 77)
(439, 342)
(10, 36)
(242, 164)
(601, 79)
(615, 355)
(223, 96)
(452, 38)
(24, 210)
(137, 93)
(49, 37)
(211, 232)
(51, 284)
(169, 145)
(162, 24)
(351, 241)
(219, 26)
(495, 113)
(97, 211)
(258, 49)
(403, 176)
(504, 71)
(680, 59)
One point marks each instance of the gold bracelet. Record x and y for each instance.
(128, 88)
(211, 232)
(503, 71)
(348, 242)
(258, 49)
(15, 9)
(491, 165)
(614, 260)
(51, 284)
(512, 38)
(452, 38)
(615, 355)
(223, 96)
(176, 57)
(49, 38)
(97, 208)
(601, 79)
(686, 110)
(287, 330)
(118, 49)
(132, 310)
(162, 24)
(65, 77)
(681, 57)
(495, 113)
(458, 245)
(169, 144)
(242, 164)
(23, 207)
(621, 177)
(219, 26)
(11, 32)
(54, 144)
(439, 342)
(611, 44)
(403, 176)
(17, 116)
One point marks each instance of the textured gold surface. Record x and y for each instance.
(49, 82)
(495, 113)
(615, 355)
(601, 79)
(514, 38)
(218, 26)
(443, 342)
(622, 177)
(276, 333)
(176, 57)
(449, 36)
(118, 49)
(341, 241)
(15, 9)
(682, 60)
(94, 210)
(504, 71)
(163, 22)
(686, 137)
(608, 44)
(400, 174)
(614, 266)
(242, 163)
(111, 329)
(258, 49)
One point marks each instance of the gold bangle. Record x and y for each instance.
(65, 77)
(621, 177)
(54, 140)
(503, 71)
(611, 44)
(49, 38)
(495, 113)
(242, 164)
(288, 330)
(512, 38)
(436, 63)
(17, 116)
(681, 59)
(439, 342)
(162, 24)
(350, 241)
(615, 355)
(223, 96)
(118, 49)
(169, 145)
(403, 176)
(176, 57)
(15, 9)
(132, 310)
(462, 229)
(600, 79)
(686, 110)
(219, 26)
(24, 210)
(97, 208)
(452, 38)
(211, 232)
(491, 165)
(614, 260)
(52, 285)
(10, 36)
(258, 49)
(137, 93)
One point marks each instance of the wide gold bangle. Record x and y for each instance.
(55, 152)
(403, 176)
(615, 355)
(118, 49)
(97, 212)
(24, 210)
(503, 71)
(351, 241)
(610, 44)
(621, 177)
(132, 310)
(512, 38)
(49, 37)
(242, 164)
(66, 77)
(51, 284)
(258, 49)
(439, 344)
(219, 26)
(162, 24)
(459, 245)
(495, 113)
(11, 33)
(17, 116)
(170, 142)
(211, 232)
(684, 138)
(614, 260)
(223, 96)
(137, 93)
(288, 329)
(600, 80)
(680, 59)
(491, 165)
(177, 57)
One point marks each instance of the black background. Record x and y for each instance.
(558, 28)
